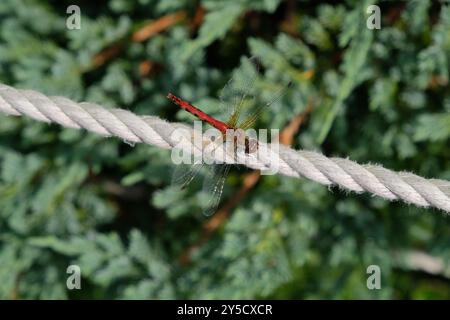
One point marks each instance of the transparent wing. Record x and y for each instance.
(239, 92)
(213, 187)
(185, 173)
(274, 96)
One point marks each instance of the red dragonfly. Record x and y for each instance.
(251, 145)
(238, 94)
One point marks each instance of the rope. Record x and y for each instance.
(294, 163)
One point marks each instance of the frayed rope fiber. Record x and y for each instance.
(124, 124)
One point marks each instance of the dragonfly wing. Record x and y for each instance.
(239, 90)
(213, 187)
(276, 95)
(185, 173)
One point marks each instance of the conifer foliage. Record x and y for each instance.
(68, 197)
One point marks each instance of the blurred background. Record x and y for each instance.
(68, 197)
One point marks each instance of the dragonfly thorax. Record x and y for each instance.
(241, 141)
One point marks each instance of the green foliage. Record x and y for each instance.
(71, 197)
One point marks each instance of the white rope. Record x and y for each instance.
(295, 163)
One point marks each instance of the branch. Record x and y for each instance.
(144, 33)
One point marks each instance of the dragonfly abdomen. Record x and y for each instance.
(219, 125)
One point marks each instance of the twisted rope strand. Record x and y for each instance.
(295, 163)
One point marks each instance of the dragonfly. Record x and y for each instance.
(237, 101)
